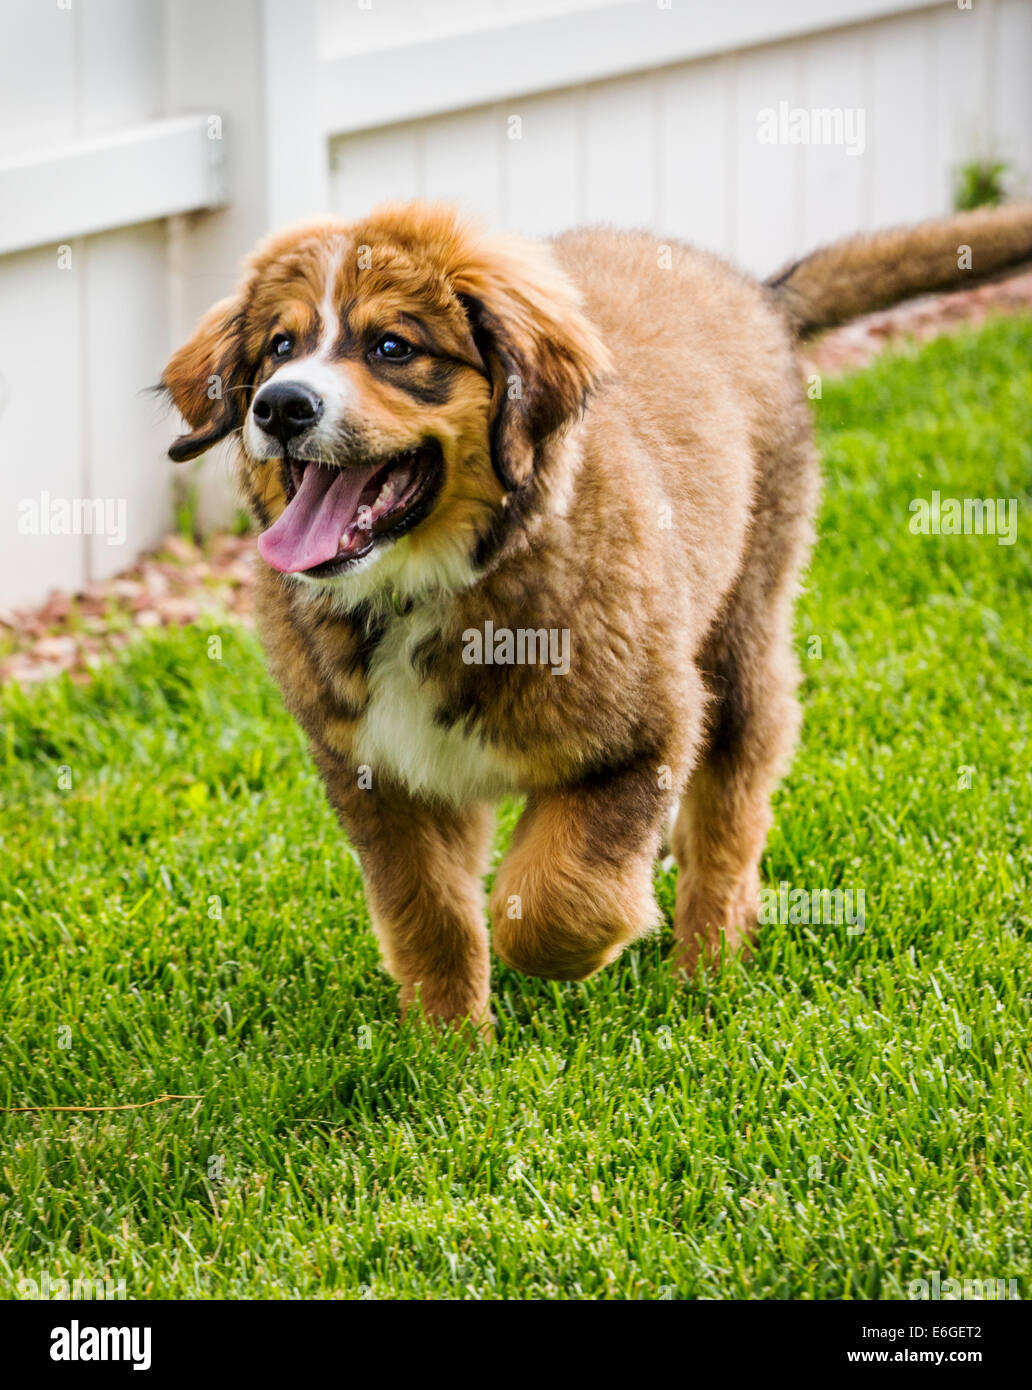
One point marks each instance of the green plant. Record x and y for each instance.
(186, 496)
(980, 183)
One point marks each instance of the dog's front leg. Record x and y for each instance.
(423, 866)
(576, 885)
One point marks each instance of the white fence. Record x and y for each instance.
(145, 144)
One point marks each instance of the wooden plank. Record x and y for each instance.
(358, 26)
(424, 76)
(123, 300)
(296, 149)
(381, 166)
(38, 92)
(463, 161)
(619, 152)
(768, 192)
(118, 64)
(41, 406)
(125, 322)
(1012, 88)
(698, 154)
(114, 180)
(902, 124)
(834, 175)
(962, 96)
(543, 167)
(213, 55)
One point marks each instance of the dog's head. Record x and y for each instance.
(390, 382)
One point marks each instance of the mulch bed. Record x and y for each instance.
(175, 585)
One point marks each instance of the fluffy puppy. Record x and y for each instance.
(532, 518)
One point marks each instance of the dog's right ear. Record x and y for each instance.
(205, 379)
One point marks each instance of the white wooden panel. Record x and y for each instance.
(110, 180)
(457, 159)
(41, 446)
(356, 26)
(91, 336)
(40, 420)
(421, 76)
(118, 63)
(124, 298)
(620, 152)
(543, 168)
(961, 76)
(377, 167)
(835, 175)
(697, 153)
(769, 176)
(214, 56)
(902, 123)
(126, 343)
(1011, 60)
(37, 75)
(464, 161)
(297, 156)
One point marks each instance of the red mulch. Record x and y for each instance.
(175, 585)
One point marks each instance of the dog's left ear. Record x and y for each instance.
(543, 355)
(205, 379)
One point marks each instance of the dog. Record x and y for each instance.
(469, 454)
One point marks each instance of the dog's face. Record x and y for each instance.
(390, 382)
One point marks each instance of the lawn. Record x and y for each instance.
(844, 1114)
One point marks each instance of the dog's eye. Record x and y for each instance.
(393, 349)
(281, 346)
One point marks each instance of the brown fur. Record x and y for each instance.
(627, 456)
(864, 273)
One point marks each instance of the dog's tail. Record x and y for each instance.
(864, 273)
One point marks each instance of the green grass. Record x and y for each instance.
(841, 1116)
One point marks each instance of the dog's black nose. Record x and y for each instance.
(286, 408)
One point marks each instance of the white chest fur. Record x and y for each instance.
(398, 735)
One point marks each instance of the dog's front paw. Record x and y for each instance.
(556, 952)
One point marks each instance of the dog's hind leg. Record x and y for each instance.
(666, 843)
(750, 667)
(725, 814)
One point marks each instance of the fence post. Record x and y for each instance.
(297, 153)
(252, 65)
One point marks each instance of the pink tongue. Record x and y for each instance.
(309, 529)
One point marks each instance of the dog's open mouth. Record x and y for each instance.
(334, 516)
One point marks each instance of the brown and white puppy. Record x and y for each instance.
(532, 518)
